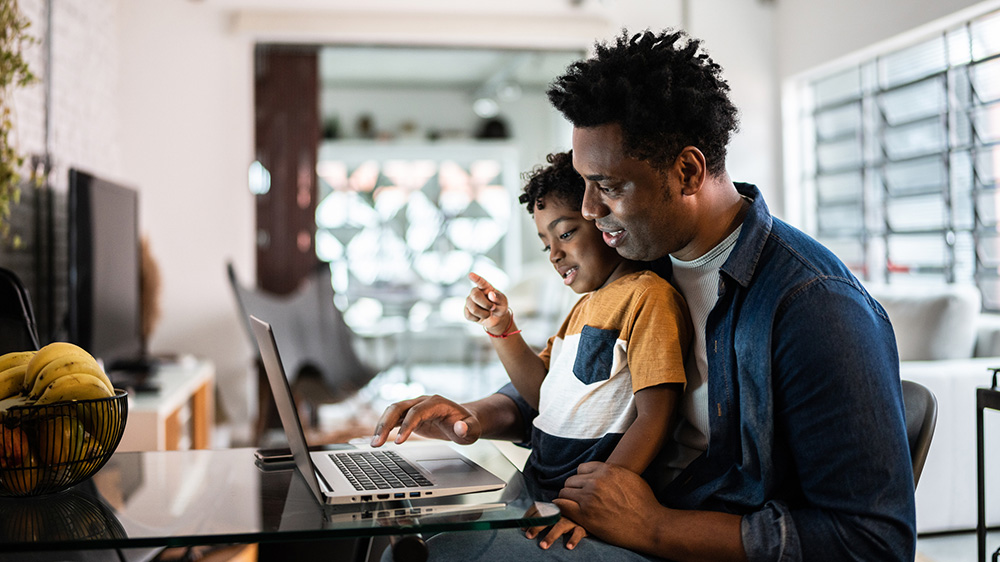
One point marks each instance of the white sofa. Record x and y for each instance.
(947, 345)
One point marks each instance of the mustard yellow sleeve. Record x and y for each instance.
(659, 335)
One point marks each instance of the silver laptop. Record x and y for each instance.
(364, 474)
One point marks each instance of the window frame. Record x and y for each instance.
(848, 144)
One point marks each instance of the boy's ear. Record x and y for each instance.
(690, 169)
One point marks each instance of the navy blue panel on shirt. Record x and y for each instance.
(595, 354)
(562, 457)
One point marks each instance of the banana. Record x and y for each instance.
(12, 381)
(47, 354)
(74, 387)
(68, 365)
(14, 359)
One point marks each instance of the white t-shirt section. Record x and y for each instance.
(698, 280)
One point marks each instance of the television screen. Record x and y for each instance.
(105, 305)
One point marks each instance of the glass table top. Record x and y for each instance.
(182, 498)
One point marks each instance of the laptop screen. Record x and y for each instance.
(286, 406)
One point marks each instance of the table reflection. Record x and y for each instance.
(75, 514)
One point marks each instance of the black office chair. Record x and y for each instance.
(921, 418)
(17, 319)
(313, 338)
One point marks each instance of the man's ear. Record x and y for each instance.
(691, 169)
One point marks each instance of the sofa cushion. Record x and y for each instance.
(988, 335)
(931, 322)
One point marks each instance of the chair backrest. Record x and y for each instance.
(921, 418)
(17, 319)
(309, 329)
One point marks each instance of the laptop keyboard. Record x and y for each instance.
(378, 470)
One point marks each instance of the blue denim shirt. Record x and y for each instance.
(807, 438)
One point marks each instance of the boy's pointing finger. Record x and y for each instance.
(480, 282)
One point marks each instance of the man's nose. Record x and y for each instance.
(592, 208)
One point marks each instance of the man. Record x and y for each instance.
(792, 442)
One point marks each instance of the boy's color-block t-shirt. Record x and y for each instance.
(629, 335)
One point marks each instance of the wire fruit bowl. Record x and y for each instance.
(48, 448)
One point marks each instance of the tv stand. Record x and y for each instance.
(178, 414)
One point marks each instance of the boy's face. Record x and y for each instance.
(575, 247)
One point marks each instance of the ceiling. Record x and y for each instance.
(371, 66)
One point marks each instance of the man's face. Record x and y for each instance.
(637, 207)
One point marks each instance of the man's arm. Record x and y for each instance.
(618, 506)
(839, 417)
(495, 417)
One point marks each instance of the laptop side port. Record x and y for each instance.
(414, 494)
(383, 496)
(366, 498)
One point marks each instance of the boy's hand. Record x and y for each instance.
(575, 533)
(487, 306)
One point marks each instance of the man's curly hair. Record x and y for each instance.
(559, 180)
(660, 88)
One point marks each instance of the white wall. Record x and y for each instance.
(742, 42)
(813, 32)
(187, 138)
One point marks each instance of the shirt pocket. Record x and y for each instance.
(595, 354)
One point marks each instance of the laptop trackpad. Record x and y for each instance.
(446, 466)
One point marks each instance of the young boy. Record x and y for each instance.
(606, 384)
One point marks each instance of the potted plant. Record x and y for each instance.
(14, 72)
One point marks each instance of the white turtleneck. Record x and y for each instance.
(698, 280)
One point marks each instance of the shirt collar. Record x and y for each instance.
(742, 261)
(757, 224)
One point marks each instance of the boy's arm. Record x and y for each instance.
(525, 368)
(487, 307)
(643, 439)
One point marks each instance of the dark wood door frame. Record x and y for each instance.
(286, 139)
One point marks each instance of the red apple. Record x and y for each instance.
(18, 463)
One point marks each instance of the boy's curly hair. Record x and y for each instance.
(558, 180)
(660, 88)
